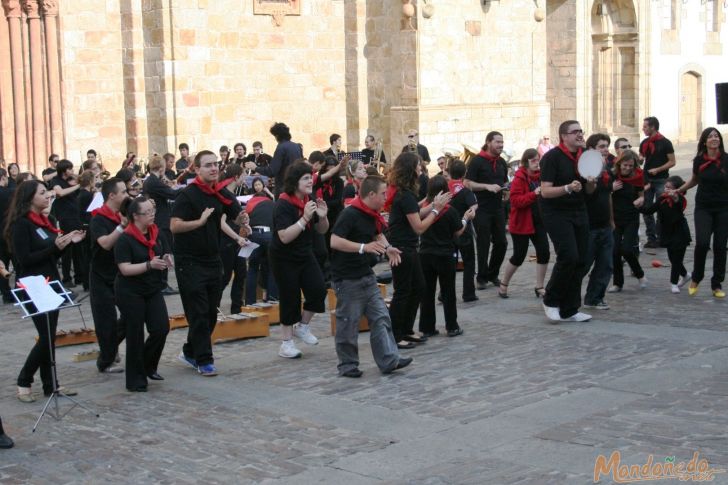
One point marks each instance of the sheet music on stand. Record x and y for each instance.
(358, 156)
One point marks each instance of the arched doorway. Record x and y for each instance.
(691, 106)
(614, 67)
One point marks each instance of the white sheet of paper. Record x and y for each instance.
(243, 199)
(96, 202)
(247, 250)
(41, 294)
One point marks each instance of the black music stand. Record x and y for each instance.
(29, 311)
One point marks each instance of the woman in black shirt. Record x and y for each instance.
(356, 172)
(710, 174)
(406, 222)
(36, 245)
(627, 196)
(138, 288)
(437, 250)
(292, 259)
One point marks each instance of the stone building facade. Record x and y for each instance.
(146, 75)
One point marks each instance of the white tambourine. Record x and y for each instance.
(590, 164)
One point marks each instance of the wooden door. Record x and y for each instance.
(689, 107)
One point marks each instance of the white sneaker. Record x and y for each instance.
(614, 289)
(552, 313)
(288, 350)
(675, 288)
(643, 282)
(684, 279)
(578, 317)
(303, 331)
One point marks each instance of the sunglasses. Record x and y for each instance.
(624, 146)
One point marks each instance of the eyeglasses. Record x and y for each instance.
(575, 132)
(624, 146)
(150, 212)
(411, 136)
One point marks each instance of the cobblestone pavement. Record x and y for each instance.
(513, 401)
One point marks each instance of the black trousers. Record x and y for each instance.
(236, 268)
(40, 355)
(294, 277)
(466, 247)
(490, 227)
(676, 255)
(73, 254)
(110, 330)
(540, 241)
(142, 356)
(200, 286)
(710, 223)
(626, 245)
(434, 268)
(569, 232)
(408, 283)
(167, 245)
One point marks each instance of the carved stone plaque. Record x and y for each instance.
(278, 9)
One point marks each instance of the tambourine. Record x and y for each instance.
(590, 164)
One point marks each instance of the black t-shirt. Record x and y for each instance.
(422, 182)
(658, 158)
(560, 170)
(102, 261)
(262, 215)
(597, 203)
(66, 208)
(201, 244)
(83, 201)
(368, 157)
(463, 201)
(481, 171)
(400, 233)
(712, 191)
(284, 216)
(439, 238)
(358, 227)
(349, 191)
(129, 250)
(34, 250)
(6, 195)
(181, 164)
(623, 204)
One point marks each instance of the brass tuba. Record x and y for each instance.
(469, 152)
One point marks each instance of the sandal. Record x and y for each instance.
(540, 292)
(503, 294)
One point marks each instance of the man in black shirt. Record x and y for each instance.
(240, 150)
(462, 200)
(169, 171)
(413, 145)
(565, 217)
(258, 157)
(195, 225)
(601, 222)
(260, 209)
(355, 242)
(105, 228)
(65, 207)
(486, 176)
(658, 156)
(370, 154)
(184, 158)
(286, 153)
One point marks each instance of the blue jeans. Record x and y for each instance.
(599, 253)
(258, 260)
(354, 299)
(657, 187)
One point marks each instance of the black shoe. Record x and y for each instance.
(403, 362)
(468, 299)
(480, 284)
(496, 281)
(137, 389)
(352, 373)
(6, 442)
(155, 376)
(415, 339)
(408, 345)
(431, 334)
(652, 244)
(455, 333)
(169, 291)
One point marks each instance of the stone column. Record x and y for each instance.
(32, 10)
(7, 125)
(50, 23)
(13, 14)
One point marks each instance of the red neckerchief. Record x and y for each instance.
(42, 221)
(637, 179)
(134, 232)
(391, 194)
(106, 211)
(568, 153)
(605, 178)
(254, 201)
(296, 202)
(455, 186)
(213, 189)
(648, 146)
(441, 211)
(379, 221)
(709, 161)
(493, 159)
(357, 184)
(327, 187)
(667, 199)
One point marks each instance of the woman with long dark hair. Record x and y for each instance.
(406, 222)
(13, 172)
(710, 174)
(138, 289)
(294, 265)
(526, 224)
(627, 197)
(36, 244)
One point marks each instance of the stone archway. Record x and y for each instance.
(691, 106)
(615, 42)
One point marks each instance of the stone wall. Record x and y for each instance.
(561, 75)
